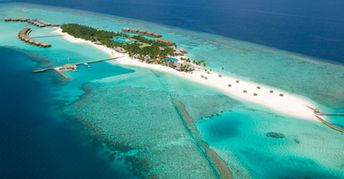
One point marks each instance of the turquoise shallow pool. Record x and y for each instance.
(122, 40)
(172, 59)
(129, 110)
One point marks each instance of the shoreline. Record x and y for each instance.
(287, 104)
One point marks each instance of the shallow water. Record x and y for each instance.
(300, 154)
(130, 109)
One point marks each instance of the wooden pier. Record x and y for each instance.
(318, 114)
(71, 67)
(61, 73)
(330, 125)
(330, 114)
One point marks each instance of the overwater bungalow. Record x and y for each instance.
(23, 35)
(7, 19)
(180, 52)
(45, 45)
(36, 43)
(316, 110)
(166, 42)
(35, 22)
(23, 19)
(183, 50)
(151, 34)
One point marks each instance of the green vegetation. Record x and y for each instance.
(200, 62)
(147, 50)
(196, 62)
(141, 47)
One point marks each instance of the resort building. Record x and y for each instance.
(68, 67)
(120, 49)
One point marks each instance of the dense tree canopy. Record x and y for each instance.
(141, 46)
(148, 50)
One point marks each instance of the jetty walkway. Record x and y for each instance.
(71, 66)
(330, 114)
(329, 124)
(24, 36)
(318, 114)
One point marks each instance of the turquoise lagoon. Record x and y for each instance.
(131, 112)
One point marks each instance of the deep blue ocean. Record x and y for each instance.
(35, 142)
(314, 28)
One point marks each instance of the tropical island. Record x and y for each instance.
(150, 51)
(156, 53)
(161, 55)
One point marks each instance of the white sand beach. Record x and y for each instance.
(272, 98)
